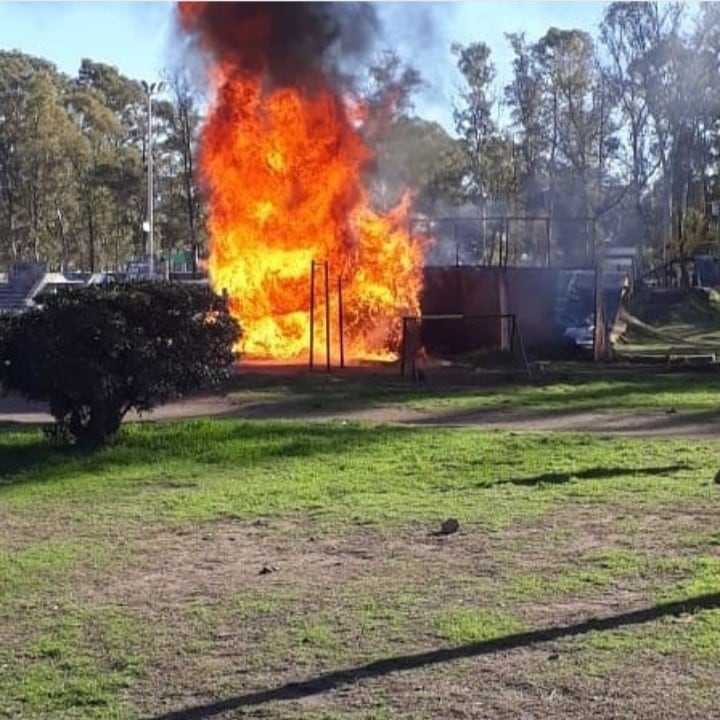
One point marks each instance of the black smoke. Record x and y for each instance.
(290, 42)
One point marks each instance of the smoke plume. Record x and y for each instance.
(289, 42)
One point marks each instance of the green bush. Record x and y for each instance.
(94, 353)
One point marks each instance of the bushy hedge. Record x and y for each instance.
(96, 352)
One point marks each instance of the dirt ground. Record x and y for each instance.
(258, 649)
(647, 423)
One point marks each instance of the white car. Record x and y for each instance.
(581, 334)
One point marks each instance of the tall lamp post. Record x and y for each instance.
(150, 90)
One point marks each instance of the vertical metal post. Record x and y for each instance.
(484, 232)
(151, 238)
(547, 242)
(312, 313)
(512, 337)
(455, 242)
(599, 333)
(507, 240)
(403, 344)
(327, 315)
(340, 322)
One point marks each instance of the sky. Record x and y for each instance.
(139, 37)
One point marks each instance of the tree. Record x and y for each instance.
(415, 154)
(473, 118)
(108, 108)
(183, 212)
(36, 139)
(387, 95)
(627, 32)
(524, 97)
(563, 114)
(96, 352)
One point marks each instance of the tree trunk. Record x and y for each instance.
(91, 234)
(92, 425)
(188, 182)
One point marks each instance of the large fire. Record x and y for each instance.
(283, 171)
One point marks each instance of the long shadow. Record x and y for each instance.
(361, 390)
(332, 680)
(595, 473)
(238, 444)
(294, 393)
(501, 416)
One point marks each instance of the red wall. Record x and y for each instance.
(530, 295)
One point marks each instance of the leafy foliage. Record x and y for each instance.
(73, 159)
(96, 352)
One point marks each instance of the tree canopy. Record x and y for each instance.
(621, 125)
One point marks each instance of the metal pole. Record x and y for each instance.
(507, 239)
(599, 332)
(340, 323)
(312, 312)
(547, 242)
(151, 239)
(484, 231)
(502, 230)
(455, 242)
(403, 343)
(327, 315)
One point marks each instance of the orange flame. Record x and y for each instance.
(283, 172)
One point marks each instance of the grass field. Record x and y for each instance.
(567, 389)
(285, 569)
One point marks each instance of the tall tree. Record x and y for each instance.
(108, 108)
(474, 115)
(562, 114)
(182, 117)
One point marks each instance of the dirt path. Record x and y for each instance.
(640, 423)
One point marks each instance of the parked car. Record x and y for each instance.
(583, 334)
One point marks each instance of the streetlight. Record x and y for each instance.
(150, 90)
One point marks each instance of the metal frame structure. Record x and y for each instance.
(502, 317)
(504, 250)
(324, 265)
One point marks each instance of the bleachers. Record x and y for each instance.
(13, 298)
(17, 288)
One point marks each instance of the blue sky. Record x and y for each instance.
(137, 37)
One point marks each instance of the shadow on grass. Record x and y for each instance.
(596, 473)
(653, 419)
(402, 663)
(26, 458)
(564, 392)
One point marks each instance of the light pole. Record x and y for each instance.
(150, 90)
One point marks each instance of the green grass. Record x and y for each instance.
(76, 524)
(203, 470)
(565, 389)
(596, 570)
(462, 627)
(77, 664)
(35, 567)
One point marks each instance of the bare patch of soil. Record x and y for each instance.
(327, 603)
